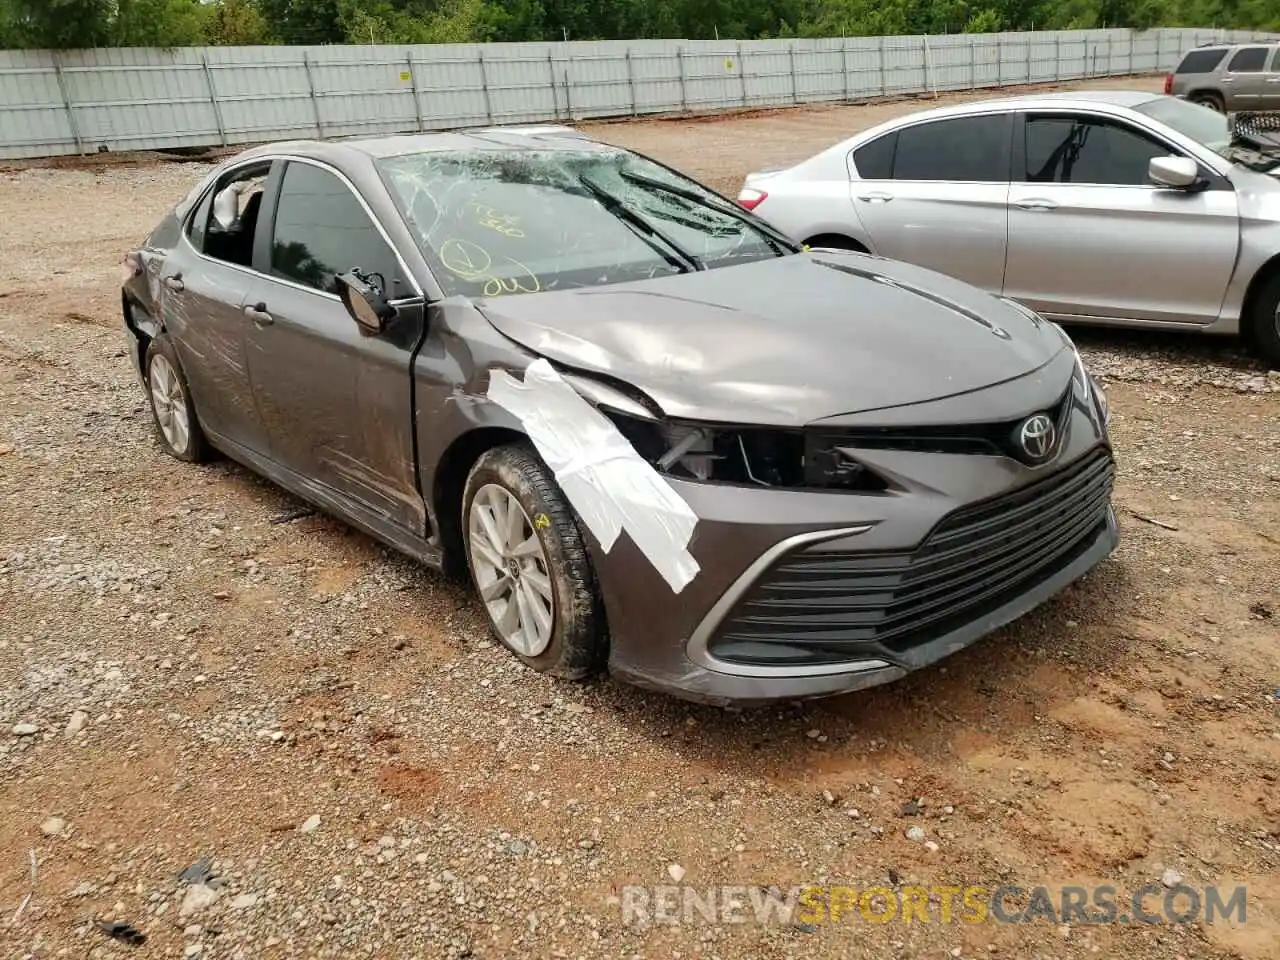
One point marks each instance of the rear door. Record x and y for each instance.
(935, 194)
(337, 403)
(1090, 236)
(1245, 81)
(1271, 83)
(204, 284)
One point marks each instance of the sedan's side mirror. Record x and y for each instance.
(366, 302)
(1176, 172)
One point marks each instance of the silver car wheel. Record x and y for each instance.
(169, 403)
(510, 569)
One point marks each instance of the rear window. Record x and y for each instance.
(965, 149)
(1248, 60)
(1201, 61)
(874, 161)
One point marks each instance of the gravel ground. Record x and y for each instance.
(191, 676)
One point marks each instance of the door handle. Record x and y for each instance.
(1273, 79)
(876, 197)
(1035, 203)
(175, 283)
(258, 314)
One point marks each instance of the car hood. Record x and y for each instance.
(785, 341)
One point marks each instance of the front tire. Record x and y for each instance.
(1211, 100)
(528, 560)
(172, 410)
(1263, 323)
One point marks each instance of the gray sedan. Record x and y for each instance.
(1119, 208)
(652, 432)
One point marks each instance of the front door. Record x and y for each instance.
(1090, 236)
(935, 194)
(337, 403)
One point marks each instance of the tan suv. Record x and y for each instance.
(1230, 78)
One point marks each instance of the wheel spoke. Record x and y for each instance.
(482, 549)
(539, 610)
(528, 641)
(513, 528)
(539, 581)
(180, 427)
(496, 588)
(528, 548)
(486, 514)
(509, 622)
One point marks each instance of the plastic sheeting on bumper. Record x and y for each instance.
(611, 486)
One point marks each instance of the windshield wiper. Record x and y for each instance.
(778, 242)
(667, 248)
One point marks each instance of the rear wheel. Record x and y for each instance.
(171, 406)
(529, 563)
(1263, 322)
(1213, 101)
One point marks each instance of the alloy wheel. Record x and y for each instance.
(169, 403)
(510, 569)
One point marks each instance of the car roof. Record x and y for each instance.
(489, 139)
(1073, 98)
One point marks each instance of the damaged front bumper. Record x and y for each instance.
(851, 592)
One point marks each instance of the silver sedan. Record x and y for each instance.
(1107, 207)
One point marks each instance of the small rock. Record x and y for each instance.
(196, 899)
(79, 720)
(193, 931)
(1171, 878)
(911, 809)
(931, 846)
(814, 734)
(5, 448)
(675, 871)
(916, 834)
(311, 824)
(25, 729)
(192, 950)
(245, 901)
(53, 827)
(830, 797)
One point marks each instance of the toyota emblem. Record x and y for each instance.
(1037, 436)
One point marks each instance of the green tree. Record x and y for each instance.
(236, 23)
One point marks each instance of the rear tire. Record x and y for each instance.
(540, 559)
(1213, 101)
(1262, 325)
(172, 410)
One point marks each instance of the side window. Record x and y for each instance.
(1082, 150)
(874, 160)
(1248, 60)
(963, 148)
(1275, 60)
(224, 224)
(1201, 61)
(322, 231)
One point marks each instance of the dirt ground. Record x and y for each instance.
(210, 675)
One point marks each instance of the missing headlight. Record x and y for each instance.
(754, 456)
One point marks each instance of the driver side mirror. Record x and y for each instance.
(1179, 173)
(366, 302)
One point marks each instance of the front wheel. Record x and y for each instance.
(529, 563)
(1210, 100)
(1263, 322)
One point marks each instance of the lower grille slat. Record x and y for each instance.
(975, 560)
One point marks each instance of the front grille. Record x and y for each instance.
(819, 605)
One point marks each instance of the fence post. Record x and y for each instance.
(973, 62)
(1030, 44)
(484, 85)
(684, 100)
(1057, 56)
(66, 102)
(631, 82)
(213, 99)
(795, 89)
(742, 72)
(844, 65)
(568, 94)
(551, 70)
(311, 88)
(999, 60)
(883, 87)
(413, 84)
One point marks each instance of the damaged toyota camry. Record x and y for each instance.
(656, 435)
